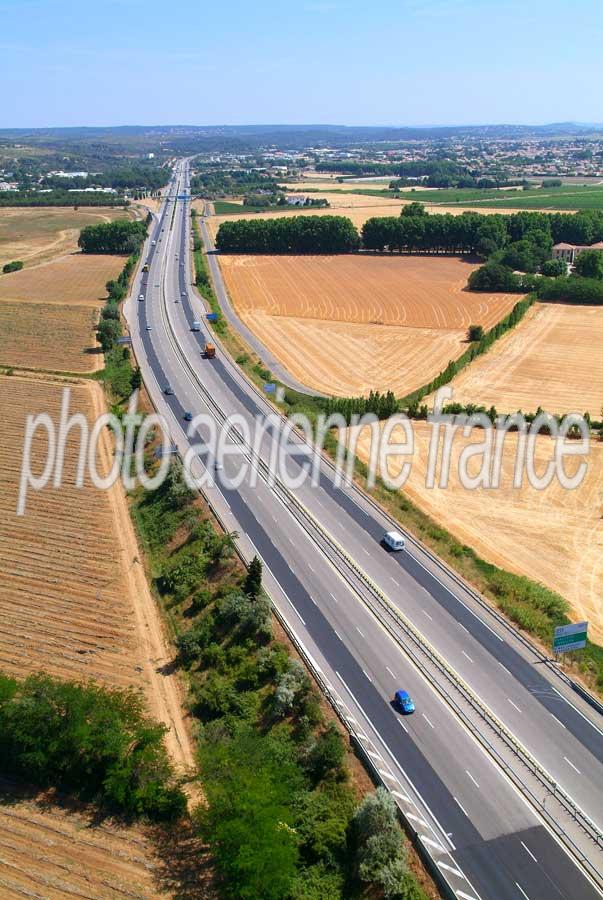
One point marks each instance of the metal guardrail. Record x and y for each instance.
(588, 697)
(419, 642)
(306, 518)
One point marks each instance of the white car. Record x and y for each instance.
(141, 297)
(393, 540)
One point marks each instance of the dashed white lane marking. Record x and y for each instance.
(513, 704)
(368, 676)
(465, 896)
(401, 796)
(467, 655)
(448, 868)
(403, 726)
(359, 632)
(313, 600)
(570, 763)
(397, 583)
(527, 849)
(338, 635)
(311, 567)
(385, 774)
(462, 626)
(503, 667)
(427, 720)
(522, 890)
(428, 616)
(334, 597)
(472, 778)
(432, 843)
(559, 722)
(390, 671)
(373, 754)
(458, 803)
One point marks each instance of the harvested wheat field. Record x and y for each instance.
(551, 359)
(78, 278)
(74, 599)
(64, 601)
(553, 536)
(414, 291)
(38, 234)
(49, 336)
(395, 321)
(54, 849)
(368, 357)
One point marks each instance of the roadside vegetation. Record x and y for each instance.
(282, 816)
(119, 236)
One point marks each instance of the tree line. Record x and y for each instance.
(296, 234)
(119, 236)
(59, 198)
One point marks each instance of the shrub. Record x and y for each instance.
(89, 739)
(14, 266)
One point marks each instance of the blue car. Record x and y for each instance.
(404, 702)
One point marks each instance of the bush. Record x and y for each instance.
(14, 266)
(475, 333)
(552, 268)
(572, 289)
(89, 739)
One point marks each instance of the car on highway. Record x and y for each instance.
(393, 540)
(168, 389)
(188, 416)
(183, 293)
(404, 702)
(141, 297)
(196, 326)
(147, 327)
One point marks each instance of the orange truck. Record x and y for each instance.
(209, 352)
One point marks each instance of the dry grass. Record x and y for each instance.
(414, 291)
(75, 279)
(64, 603)
(47, 336)
(368, 356)
(38, 234)
(552, 359)
(553, 536)
(51, 849)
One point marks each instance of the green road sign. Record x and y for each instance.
(570, 637)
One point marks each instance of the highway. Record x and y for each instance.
(371, 622)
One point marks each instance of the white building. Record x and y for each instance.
(296, 199)
(571, 252)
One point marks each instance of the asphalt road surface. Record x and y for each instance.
(475, 811)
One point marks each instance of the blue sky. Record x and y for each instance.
(402, 62)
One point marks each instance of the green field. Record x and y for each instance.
(566, 197)
(224, 207)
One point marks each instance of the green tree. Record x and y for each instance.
(475, 333)
(253, 579)
(14, 266)
(251, 784)
(107, 333)
(552, 268)
(590, 264)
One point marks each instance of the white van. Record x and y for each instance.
(196, 326)
(394, 540)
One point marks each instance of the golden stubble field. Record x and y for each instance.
(552, 359)
(38, 234)
(53, 849)
(65, 606)
(77, 278)
(49, 336)
(346, 324)
(48, 313)
(553, 536)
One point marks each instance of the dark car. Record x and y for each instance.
(404, 702)
(168, 390)
(188, 416)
